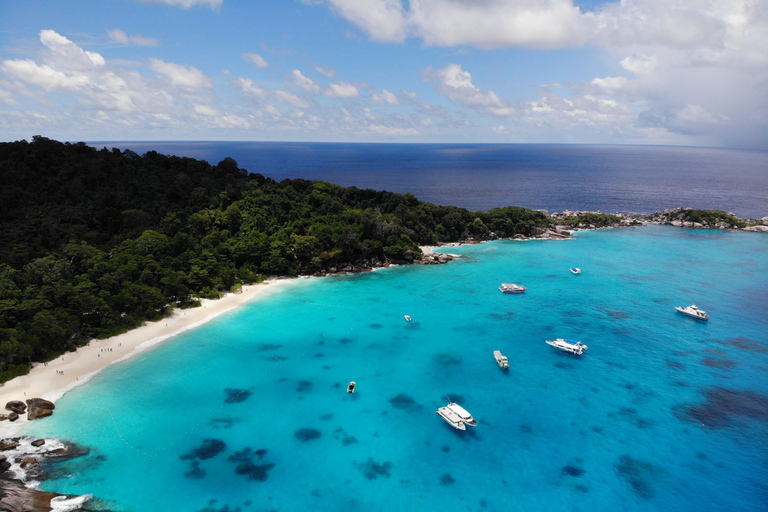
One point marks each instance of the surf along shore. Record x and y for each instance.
(52, 380)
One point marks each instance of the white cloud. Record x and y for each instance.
(639, 64)
(456, 84)
(328, 72)
(303, 82)
(213, 4)
(121, 37)
(30, 72)
(385, 97)
(181, 75)
(610, 82)
(248, 86)
(290, 98)
(67, 54)
(382, 20)
(500, 129)
(205, 110)
(391, 130)
(256, 59)
(411, 95)
(342, 90)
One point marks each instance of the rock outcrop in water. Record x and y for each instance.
(16, 406)
(39, 408)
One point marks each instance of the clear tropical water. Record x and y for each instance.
(629, 179)
(662, 413)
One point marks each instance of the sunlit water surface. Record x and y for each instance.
(662, 413)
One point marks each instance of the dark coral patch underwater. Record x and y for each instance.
(372, 469)
(404, 402)
(306, 434)
(209, 448)
(722, 405)
(234, 395)
(636, 472)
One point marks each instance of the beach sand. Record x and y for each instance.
(52, 380)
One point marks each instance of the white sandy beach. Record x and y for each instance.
(52, 380)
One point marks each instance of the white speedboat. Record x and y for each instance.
(501, 359)
(451, 417)
(694, 312)
(511, 288)
(351, 387)
(576, 270)
(407, 318)
(462, 413)
(574, 347)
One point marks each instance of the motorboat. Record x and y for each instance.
(462, 413)
(451, 417)
(576, 270)
(511, 288)
(351, 387)
(501, 359)
(407, 318)
(694, 312)
(574, 347)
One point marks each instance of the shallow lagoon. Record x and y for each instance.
(618, 429)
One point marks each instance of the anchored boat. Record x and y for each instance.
(501, 359)
(574, 347)
(511, 288)
(451, 417)
(351, 387)
(694, 312)
(576, 270)
(407, 318)
(462, 413)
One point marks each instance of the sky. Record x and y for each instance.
(677, 72)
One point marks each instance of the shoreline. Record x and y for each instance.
(45, 381)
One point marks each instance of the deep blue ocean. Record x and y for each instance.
(628, 179)
(250, 412)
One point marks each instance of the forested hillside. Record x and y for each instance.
(95, 242)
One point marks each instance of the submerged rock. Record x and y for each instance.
(209, 448)
(306, 434)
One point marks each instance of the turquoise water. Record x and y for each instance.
(619, 428)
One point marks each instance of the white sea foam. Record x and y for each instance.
(64, 504)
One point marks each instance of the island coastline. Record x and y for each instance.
(78, 367)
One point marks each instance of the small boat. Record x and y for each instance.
(462, 413)
(501, 359)
(511, 288)
(694, 312)
(576, 270)
(451, 417)
(574, 347)
(351, 387)
(407, 318)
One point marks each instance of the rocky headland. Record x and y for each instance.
(26, 459)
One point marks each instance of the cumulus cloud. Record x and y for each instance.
(342, 90)
(456, 84)
(181, 75)
(385, 97)
(382, 20)
(119, 36)
(249, 87)
(67, 54)
(303, 82)
(256, 59)
(290, 99)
